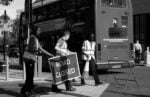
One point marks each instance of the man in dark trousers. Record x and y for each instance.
(88, 50)
(137, 51)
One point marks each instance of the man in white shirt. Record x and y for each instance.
(62, 50)
(137, 50)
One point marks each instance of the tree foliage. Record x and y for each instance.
(3, 16)
(5, 2)
(15, 26)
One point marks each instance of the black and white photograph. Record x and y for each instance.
(74, 48)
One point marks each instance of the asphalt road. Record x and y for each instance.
(132, 90)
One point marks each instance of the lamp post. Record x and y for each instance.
(5, 19)
(28, 16)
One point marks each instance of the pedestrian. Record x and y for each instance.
(137, 51)
(62, 50)
(30, 58)
(88, 57)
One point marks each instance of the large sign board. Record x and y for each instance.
(64, 68)
(51, 25)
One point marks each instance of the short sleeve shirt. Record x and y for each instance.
(61, 44)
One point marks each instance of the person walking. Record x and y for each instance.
(33, 47)
(88, 56)
(137, 51)
(62, 50)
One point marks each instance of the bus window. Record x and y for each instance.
(117, 33)
(115, 22)
(114, 3)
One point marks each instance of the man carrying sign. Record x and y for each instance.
(62, 50)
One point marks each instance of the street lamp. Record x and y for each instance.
(5, 20)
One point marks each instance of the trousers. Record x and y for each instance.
(93, 69)
(137, 56)
(29, 84)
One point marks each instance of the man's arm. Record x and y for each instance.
(57, 48)
(44, 51)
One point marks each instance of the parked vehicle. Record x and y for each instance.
(13, 51)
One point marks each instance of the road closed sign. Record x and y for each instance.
(64, 68)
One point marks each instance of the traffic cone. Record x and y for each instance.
(86, 70)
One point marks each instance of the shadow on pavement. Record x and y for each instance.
(48, 91)
(42, 90)
(109, 72)
(22, 84)
(9, 92)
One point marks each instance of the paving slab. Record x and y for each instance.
(88, 90)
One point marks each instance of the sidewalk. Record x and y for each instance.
(17, 75)
(88, 90)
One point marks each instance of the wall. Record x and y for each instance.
(141, 6)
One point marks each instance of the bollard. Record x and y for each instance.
(24, 71)
(39, 66)
(35, 69)
(147, 57)
(147, 48)
(7, 68)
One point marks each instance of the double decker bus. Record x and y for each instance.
(109, 20)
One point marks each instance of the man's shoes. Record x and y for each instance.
(83, 83)
(23, 95)
(34, 86)
(71, 89)
(99, 83)
(34, 95)
(56, 90)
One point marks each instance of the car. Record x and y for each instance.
(13, 51)
(1, 49)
